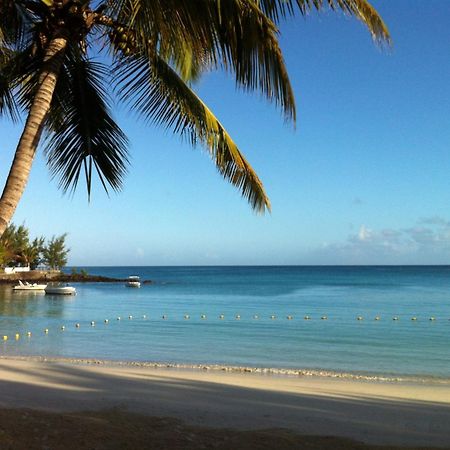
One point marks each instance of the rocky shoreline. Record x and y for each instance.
(38, 276)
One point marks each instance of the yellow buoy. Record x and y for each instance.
(432, 318)
(29, 334)
(414, 318)
(17, 336)
(289, 317)
(46, 331)
(5, 338)
(359, 318)
(203, 316)
(221, 317)
(377, 317)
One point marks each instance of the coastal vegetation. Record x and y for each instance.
(54, 254)
(83, 273)
(17, 249)
(151, 55)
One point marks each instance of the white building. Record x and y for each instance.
(11, 270)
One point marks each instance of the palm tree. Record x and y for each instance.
(151, 52)
(16, 247)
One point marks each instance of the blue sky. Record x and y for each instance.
(363, 179)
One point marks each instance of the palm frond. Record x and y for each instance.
(86, 138)
(12, 31)
(19, 73)
(8, 105)
(28, 66)
(9, 21)
(234, 34)
(250, 49)
(166, 23)
(157, 92)
(125, 40)
(361, 9)
(188, 65)
(61, 101)
(15, 20)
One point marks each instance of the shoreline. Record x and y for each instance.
(219, 368)
(379, 413)
(59, 277)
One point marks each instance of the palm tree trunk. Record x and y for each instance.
(26, 149)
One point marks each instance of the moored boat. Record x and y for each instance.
(58, 289)
(25, 286)
(133, 281)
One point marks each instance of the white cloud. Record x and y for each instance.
(426, 242)
(364, 233)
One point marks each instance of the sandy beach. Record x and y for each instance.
(376, 413)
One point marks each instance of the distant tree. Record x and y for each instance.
(7, 245)
(55, 253)
(17, 249)
(33, 253)
(2, 255)
(20, 243)
(15, 243)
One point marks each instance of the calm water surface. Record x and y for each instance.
(341, 343)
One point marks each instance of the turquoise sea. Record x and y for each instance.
(159, 330)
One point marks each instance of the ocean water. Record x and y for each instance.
(340, 344)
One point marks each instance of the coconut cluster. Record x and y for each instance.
(123, 39)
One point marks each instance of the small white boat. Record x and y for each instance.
(25, 286)
(133, 281)
(58, 289)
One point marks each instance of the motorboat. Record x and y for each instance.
(133, 281)
(60, 289)
(25, 286)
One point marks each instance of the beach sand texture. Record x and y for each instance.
(393, 414)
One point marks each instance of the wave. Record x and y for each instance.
(271, 371)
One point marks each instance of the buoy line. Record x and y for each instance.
(360, 318)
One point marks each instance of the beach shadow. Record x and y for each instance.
(71, 387)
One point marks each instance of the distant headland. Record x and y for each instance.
(38, 276)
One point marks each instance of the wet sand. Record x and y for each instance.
(377, 413)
